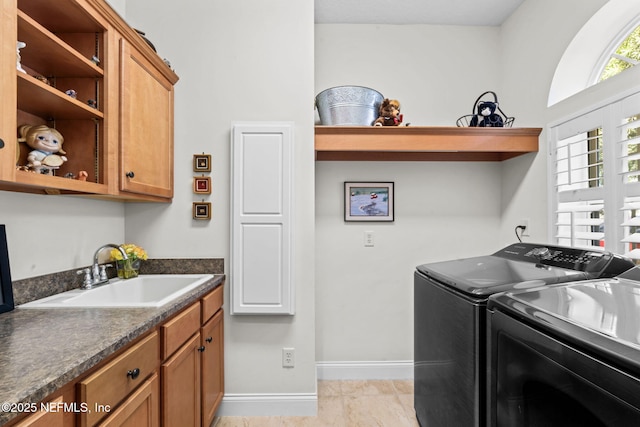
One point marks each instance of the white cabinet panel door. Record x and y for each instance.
(261, 210)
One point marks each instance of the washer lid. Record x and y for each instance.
(603, 315)
(486, 275)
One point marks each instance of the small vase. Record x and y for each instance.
(128, 268)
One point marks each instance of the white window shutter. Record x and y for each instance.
(261, 218)
(629, 141)
(595, 176)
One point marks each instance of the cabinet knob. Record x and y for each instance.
(209, 339)
(201, 349)
(130, 174)
(134, 373)
(1, 143)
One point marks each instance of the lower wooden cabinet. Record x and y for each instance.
(212, 367)
(107, 387)
(46, 418)
(141, 409)
(193, 376)
(173, 376)
(181, 386)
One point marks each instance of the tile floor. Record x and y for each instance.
(371, 403)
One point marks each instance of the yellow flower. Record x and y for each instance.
(133, 252)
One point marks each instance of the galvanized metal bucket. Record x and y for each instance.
(348, 106)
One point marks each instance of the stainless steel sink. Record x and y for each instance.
(153, 290)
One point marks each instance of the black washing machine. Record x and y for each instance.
(450, 300)
(566, 355)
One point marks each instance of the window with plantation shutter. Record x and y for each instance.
(579, 181)
(629, 142)
(595, 162)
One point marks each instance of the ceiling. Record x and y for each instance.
(439, 12)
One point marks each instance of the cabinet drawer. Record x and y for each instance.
(177, 330)
(211, 303)
(110, 385)
(141, 409)
(44, 418)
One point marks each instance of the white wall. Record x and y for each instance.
(364, 296)
(47, 234)
(436, 72)
(530, 55)
(237, 61)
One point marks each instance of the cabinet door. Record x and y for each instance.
(44, 418)
(212, 367)
(181, 386)
(146, 120)
(8, 133)
(261, 219)
(141, 409)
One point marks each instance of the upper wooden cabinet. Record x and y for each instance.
(146, 164)
(120, 117)
(420, 143)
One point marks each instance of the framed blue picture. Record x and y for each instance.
(368, 201)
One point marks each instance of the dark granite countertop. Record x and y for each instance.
(41, 350)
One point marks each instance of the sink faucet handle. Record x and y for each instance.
(103, 271)
(87, 276)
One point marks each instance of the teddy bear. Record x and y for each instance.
(487, 116)
(389, 113)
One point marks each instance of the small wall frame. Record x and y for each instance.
(202, 210)
(368, 201)
(202, 185)
(202, 162)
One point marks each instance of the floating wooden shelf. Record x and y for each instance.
(423, 143)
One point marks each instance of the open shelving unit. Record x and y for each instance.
(61, 39)
(423, 143)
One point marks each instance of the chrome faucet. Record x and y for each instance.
(98, 274)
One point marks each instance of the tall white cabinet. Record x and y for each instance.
(261, 218)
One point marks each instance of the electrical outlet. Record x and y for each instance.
(288, 357)
(368, 239)
(525, 223)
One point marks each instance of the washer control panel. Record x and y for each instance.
(602, 263)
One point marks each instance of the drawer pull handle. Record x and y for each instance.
(130, 174)
(209, 339)
(134, 373)
(201, 349)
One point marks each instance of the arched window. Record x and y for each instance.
(590, 52)
(626, 55)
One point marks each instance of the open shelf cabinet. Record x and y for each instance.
(86, 73)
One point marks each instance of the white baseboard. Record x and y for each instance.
(388, 370)
(268, 404)
(306, 404)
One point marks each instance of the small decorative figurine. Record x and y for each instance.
(487, 116)
(486, 113)
(72, 93)
(20, 45)
(43, 79)
(389, 114)
(45, 142)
